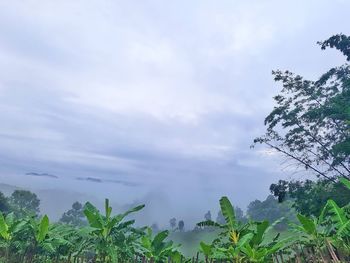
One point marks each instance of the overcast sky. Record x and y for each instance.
(152, 96)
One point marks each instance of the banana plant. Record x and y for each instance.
(232, 236)
(331, 227)
(206, 250)
(31, 239)
(9, 227)
(239, 242)
(156, 249)
(232, 229)
(337, 221)
(107, 229)
(259, 247)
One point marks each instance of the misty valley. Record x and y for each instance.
(153, 131)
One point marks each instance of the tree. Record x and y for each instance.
(271, 210)
(172, 223)
(4, 204)
(309, 197)
(181, 225)
(311, 122)
(25, 202)
(207, 216)
(238, 214)
(74, 216)
(220, 219)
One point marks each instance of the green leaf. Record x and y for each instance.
(10, 219)
(94, 218)
(345, 182)
(260, 231)
(159, 238)
(339, 216)
(344, 229)
(244, 239)
(146, 242)
(208, 223)
(4, 228)
(48, 247)
(228, 212)
(205, 248)
(43, 228)
(108, 209)
(308, 224)
(133, 210)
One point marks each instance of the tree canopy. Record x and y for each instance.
(310, 123)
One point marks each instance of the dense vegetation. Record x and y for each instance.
(303, 221)
(113, 238)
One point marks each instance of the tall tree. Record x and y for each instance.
(220, 218)
(172, 223)
(25, 202)
(309, 197)
(181, 225)
(239, 216)
(74, 216)
(310, 123)
(270, 209)
(4, 204)
(207, 216)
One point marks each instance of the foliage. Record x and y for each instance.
(172, 223)
(4, 203)
(111, 238)
(108, 230)
(24, 202)
(311, 122)
(156, 248)
(241, 242)
(239, 216)
(207, 215)
(309, 197)
(181, 225)
(74, 216)
(271, 210)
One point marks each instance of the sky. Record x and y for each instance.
(152, 100)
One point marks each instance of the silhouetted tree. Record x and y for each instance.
(239, 216)
(271, 210)
(207, 216)
(25, 202)
(181, 225)
(220, 218)
(172, 223)
(74, 216)
(4, 204)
